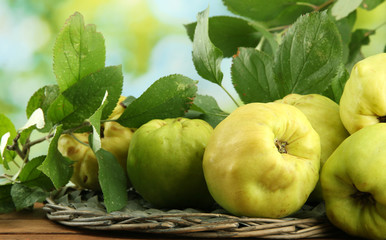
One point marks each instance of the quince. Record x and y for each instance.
(114, 138)
(353, 183)
(262, 160)
(165, 162)
(323, 114)
(363, 101)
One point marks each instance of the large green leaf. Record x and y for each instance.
(308, 56)
(168, 97)
(112, 180)
(57, 167)
(6, 202)
(79, 51)
(30, 175)
(82, 99)
(228, 33)
(253, 77)
(207, 58)
(24, 196)
(274, 12)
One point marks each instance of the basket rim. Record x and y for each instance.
(191, 224)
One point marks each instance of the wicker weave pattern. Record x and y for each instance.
(191, 224)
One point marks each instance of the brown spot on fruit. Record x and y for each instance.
(72, 150)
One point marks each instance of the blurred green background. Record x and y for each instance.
(146, 36)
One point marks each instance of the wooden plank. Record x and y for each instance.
(50, 237)
(33, 214)
(33, 226)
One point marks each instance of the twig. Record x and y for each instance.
(325, 4)
(8, 177)
(15, 147)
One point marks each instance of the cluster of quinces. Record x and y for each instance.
(264, 159)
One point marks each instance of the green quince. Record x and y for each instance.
(363, 101)
(165, 162)
(354, 183)
(323, 114)
(262, 160)
(114, 138)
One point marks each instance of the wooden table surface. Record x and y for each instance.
(33, 225)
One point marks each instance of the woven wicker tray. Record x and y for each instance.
(85, 209)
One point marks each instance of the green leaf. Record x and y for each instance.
(24, 196)
(336, 87)
(253, 77)
(371, 4)
(79, 51)
(57, 167)
(43, 98)
(342, 8)
(168, 97)
(208, 109)
(228, 34)
(7, 134)
(276, 12)
(31, 176)
(359, 38)
(308, 55)
(112, 180)
(95, 121)
(82, 99)
(206, 57)
(345, 27)
(6, 202)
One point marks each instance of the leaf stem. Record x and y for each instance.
(226, 91)
(260, 44)
(314, 7)
(78, 140)
(8, 177)
(278, 28)
(307, 4)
